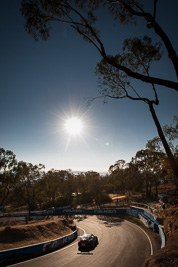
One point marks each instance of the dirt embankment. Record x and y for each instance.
(167, 256)
(35, 232)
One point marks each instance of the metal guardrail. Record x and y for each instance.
(138, 209)
(148, 206)
(11, 255)
(150, 219)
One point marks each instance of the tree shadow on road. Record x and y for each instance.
(79, 218)
(110, 221)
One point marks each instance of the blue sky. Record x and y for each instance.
(44, 83)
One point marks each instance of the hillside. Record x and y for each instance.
(13, 236)
(167, 256)
(35, 232)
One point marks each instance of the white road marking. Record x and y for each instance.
(18, 264)
(151, 246)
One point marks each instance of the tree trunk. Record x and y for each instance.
(171, 158)
(149, 192)
(156, 186)
(7, 192)
(146, 187)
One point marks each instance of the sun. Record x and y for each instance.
(73, 126)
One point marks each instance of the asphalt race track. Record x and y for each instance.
(121, 244)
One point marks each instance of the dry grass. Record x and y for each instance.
(36, 232)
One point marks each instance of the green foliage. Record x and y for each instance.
(115, 72)
(85, 198)
(7, 159)
(63, 201)
(111, 80)
(156, 147)
(80, 15)
(39, 15)
(123, 14)
(171, 131)
(104, 198)
(7, 178)
(26, 184)
(138, 54)
(48, 204)
(7, 209)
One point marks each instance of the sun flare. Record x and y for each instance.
(73, 126)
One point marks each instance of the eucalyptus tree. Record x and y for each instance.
(56, 188)
(135, 181)
(52, 185)
(7, 179)
(95, 188)
(141, 161)
(93, 185)
(108, 183)
(151, 167)
(83, 193)
(118, 172)
(116, 72)
(171, 133)
(28, 185)
(7, 159)
(155, 145)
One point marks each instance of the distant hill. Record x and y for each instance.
(78, 172)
